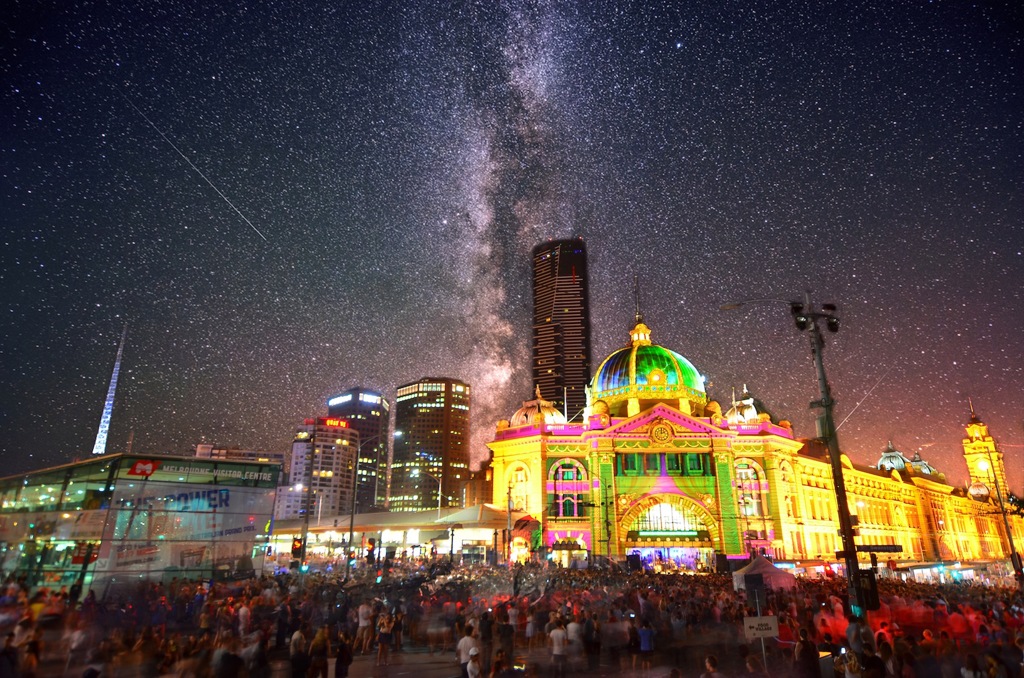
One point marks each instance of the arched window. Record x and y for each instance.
(567, 487)
(519, 480)
(786, 472)
(668, 518)
(749, 494)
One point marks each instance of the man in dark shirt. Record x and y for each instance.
(872, 666)
(828, 645)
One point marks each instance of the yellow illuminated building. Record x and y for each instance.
(658, 471)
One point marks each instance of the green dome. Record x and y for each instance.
(646, 371)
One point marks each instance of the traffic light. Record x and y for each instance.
(371, 551)
(869, 587)
(874, 562)
(296, 547)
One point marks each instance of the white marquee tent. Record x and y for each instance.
(774, 578)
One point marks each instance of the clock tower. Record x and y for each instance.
(984, 460)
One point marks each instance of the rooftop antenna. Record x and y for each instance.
(108, 407)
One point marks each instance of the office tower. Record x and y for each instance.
(369, 413)
(322, 455)
(431, 447)
(561, 324)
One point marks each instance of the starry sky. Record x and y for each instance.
(284, 200)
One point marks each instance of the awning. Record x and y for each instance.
(434, 536)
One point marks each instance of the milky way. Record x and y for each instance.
(403, 159)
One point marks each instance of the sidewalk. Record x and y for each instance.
(415, 661)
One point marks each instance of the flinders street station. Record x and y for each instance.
(657, 471)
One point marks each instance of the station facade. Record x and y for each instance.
(658, 471)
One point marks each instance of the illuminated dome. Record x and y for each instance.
(643, 373)
(746, 410)
(537, 412)
(892, 460)
(921, 466)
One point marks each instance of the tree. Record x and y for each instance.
(1015, 505)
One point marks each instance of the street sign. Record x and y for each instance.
(879, 548)
(760, 627)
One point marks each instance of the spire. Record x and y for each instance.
(974, 415)
(640, 335)
(108, 407)
(639, 317)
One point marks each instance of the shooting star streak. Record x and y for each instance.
(865, 397)
(192, 165)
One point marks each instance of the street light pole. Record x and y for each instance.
(451, 550)
(1014, 558)
(355, 492)
(508, 534)
(308, 499)
(807, 320)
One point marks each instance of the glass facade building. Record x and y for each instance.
(369, 413)
(114, 520)
(561, 325)
(430, 463)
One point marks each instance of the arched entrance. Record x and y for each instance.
(670, 532)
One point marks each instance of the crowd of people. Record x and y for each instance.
(502, 623)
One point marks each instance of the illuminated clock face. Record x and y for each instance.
(661, 433)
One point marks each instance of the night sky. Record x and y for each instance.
(376, 175)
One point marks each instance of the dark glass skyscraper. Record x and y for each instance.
(561, 324)
(430, 463)
(369, 413)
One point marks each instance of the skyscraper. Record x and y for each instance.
(321, 462)
(561, 324)
(431, 448)
(369, 413)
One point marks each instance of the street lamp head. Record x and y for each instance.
(800, 318)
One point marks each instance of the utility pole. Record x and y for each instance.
(508, 539)
(1014, 556)
(309, 492)
(807, 320)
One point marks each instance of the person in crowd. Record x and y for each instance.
(385, 628)
(754, 667)
(711, 668)
(473, 669)
(463, 648)
(345, 654)
(805, 657)
(646, 636)
(559, 642)
(319, 653)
